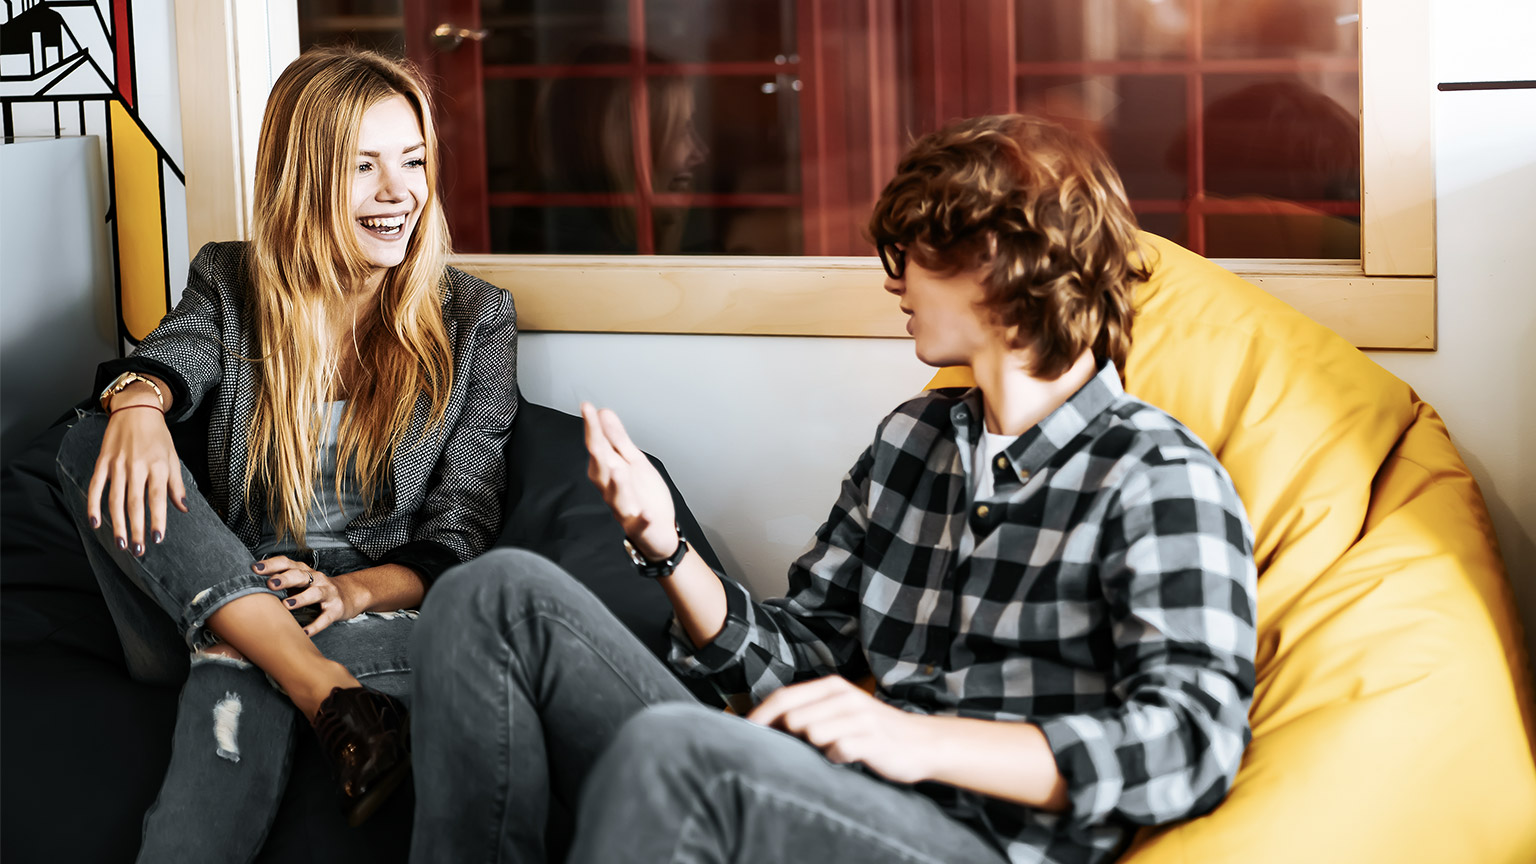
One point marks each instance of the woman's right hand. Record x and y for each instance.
(137, 468)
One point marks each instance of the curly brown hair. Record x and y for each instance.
(1045, 215)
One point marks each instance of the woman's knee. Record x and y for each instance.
(80, 448)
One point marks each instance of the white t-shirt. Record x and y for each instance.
(987, 448)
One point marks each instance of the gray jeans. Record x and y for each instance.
(234, 730)
(529, 687)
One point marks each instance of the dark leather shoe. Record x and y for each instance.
(367, 736)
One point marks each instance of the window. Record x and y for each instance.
(800, 108)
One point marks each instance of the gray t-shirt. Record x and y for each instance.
(328, 514)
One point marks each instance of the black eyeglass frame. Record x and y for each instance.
(893, 258)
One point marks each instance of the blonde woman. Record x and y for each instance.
(358, 394)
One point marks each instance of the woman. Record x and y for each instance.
(358, 394)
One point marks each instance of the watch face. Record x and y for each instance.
(634, 554)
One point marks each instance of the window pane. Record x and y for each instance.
(377, 25)
(746, 133)
(696, 31)
(1286, 231)
(565, 135)
(1055, 30)
(580, 32)
(1282, 166)
(563, 230)
(1219, 114)
(1267, 29)
(1137, 119)
(728, 231)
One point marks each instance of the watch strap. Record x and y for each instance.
(658, 569)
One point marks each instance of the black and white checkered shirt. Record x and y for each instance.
(1109, 599)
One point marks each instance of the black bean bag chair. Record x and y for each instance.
(84, 747)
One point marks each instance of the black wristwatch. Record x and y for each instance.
(658, 569)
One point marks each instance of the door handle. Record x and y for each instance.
(448, 37)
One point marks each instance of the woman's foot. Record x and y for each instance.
(366, 735)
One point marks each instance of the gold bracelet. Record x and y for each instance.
(121, 382)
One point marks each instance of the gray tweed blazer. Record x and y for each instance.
(442, 504)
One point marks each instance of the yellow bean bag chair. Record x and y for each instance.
(1392, 718)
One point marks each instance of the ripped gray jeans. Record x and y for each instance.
(234, 729)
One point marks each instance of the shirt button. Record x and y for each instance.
(982, 510)
(928, 670)
(1023, 475)
(1002, 461)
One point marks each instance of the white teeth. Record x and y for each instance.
(384, 225)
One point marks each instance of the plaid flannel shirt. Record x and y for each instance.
(1109, 599)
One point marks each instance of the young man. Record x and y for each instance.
(1050, 583)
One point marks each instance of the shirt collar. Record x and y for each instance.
(1036, 447)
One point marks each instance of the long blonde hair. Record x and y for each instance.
(306, 259)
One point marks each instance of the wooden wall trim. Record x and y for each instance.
(844, 297)
(210, 121)
(1397, 91)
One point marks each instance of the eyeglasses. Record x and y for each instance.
(894, 259)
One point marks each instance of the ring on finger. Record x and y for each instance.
(311, 579)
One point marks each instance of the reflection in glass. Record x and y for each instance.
(1282, 170)
(581, 230)
(564, 145)
(1279, 138)
(376, 25)
(1280, 29)
(583, 142)
(1064, 30)
(741, 231)
(699, 31)
(528, 32)
(1219, 114)
(1135, 118)
(751, 124)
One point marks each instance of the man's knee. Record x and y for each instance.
(499, 578)
(492, 591)
(689, 741)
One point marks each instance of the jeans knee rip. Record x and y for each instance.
(226, 726)
(200, 657)
(407, 614)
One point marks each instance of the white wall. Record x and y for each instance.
(1485, 177)
(756, 431)
(59, 320)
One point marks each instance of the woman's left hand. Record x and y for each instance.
(334, 598)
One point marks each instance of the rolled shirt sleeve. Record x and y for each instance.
(1180, 583)
(810, 633)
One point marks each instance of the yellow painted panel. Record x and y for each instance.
(140, 227)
